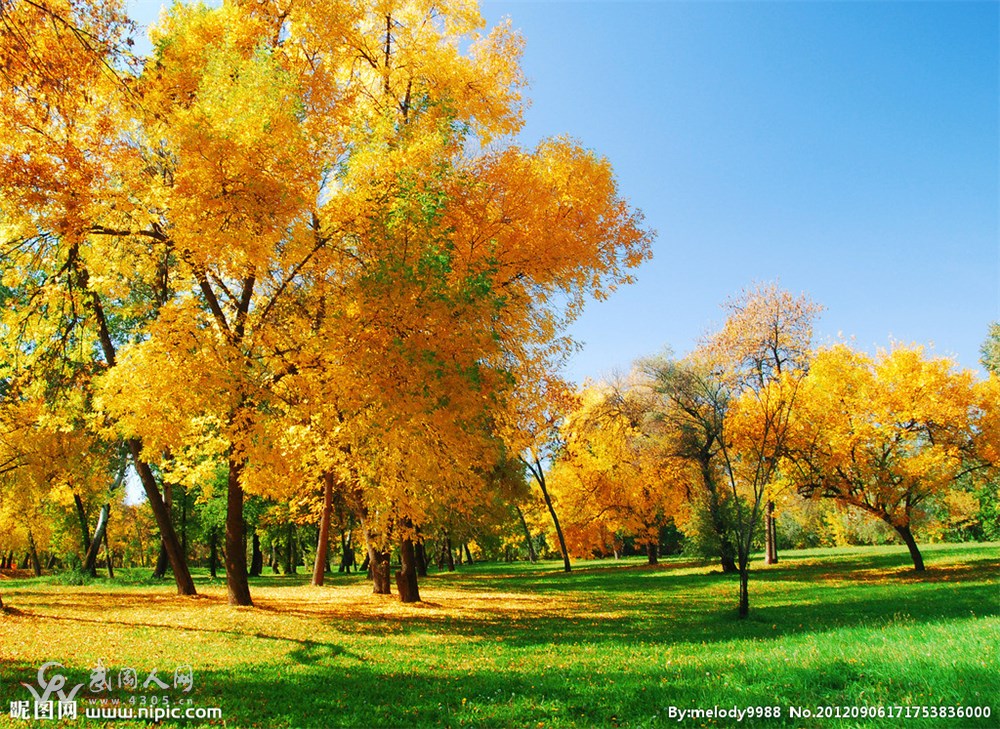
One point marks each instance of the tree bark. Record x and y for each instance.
(527, 535)
(35, 564)
(728, 556)
(450, 557)
(290, 556)
(539, 474)
(90, 564)
(347, 559)
(257, 557)
(907, 536)
(378, 565)
(770, 535)
(468, 554)
(163, 559)
(323, 543)
(107, 550)
(237, 582)
(213, 553)
(421, 552)
(652, 552)
(744, 591)
(82, 517)
(406, 576)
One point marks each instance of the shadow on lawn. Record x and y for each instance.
(322, 692)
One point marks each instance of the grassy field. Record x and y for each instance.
(496, 645)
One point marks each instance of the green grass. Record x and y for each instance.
(498, 645)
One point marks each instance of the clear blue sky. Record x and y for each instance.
(849, 149)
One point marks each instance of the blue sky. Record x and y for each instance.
(849, 149)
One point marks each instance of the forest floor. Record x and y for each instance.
(832, 632)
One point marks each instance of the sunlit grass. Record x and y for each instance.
(498, 645)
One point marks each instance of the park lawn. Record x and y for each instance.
(518, 645)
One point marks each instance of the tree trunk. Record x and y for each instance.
(184, 536)
(540, 478)
(728, 557)
(213, 553)
(366, 563)
(90, 564)
(323, 543)
(468, 554)
(907, 536)
(163, 559)
(421, 553)
(237, 582)
(107, 550)
(450, 557)
(527, 535)
(290, 556)
(35, 564)
(744, 591)
(256, 557)
(274, 557)
(168, 537)
(770, 535)
(347, 559)
(406, 576)
(82, 517)
(378, 565)
(652, 552)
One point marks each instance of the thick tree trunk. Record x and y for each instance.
(406, 576)
(237, 582)
(256, 557)
(36, 566)
(378, 565)
(907, 536)
(366, 563)
(728, 557)
(323, 543)
(468, 554)
(770, 535)
(90, 563)
(652, 552)
(527, 535)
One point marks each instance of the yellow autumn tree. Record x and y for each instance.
(613, 474)
(887, 433)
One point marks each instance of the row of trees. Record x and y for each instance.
(755, 416)
(291, 251)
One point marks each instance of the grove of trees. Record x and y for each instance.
(290, 273)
